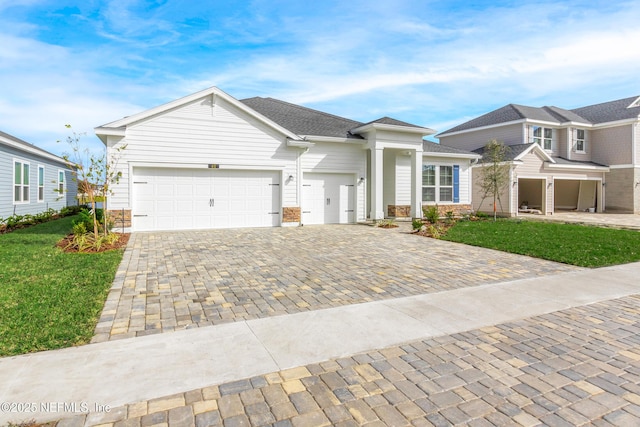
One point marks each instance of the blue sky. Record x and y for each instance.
(432, 63)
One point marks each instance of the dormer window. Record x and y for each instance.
(580, 141)
(543, 137)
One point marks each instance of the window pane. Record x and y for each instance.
(61, 188)
(18, 173)
(446, 175)
(25, 175)
(61, 176)
(548, 133)
(40, 176)
(41, 193)
(446, 194)
(537, 131)
(428, 194)
(429, 175)
(580, 133)
(25, 194)
(17, 193)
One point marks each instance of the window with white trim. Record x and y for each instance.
(20, 182)
(446, 183)
(61, 182)
(542, 136)
(580, 141)
(40, 183)
(428, 183)
(440, 184)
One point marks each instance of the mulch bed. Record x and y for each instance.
(121, 243)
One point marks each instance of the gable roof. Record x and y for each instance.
(19, 144)
(303, 120)
(593, 114)
(517, 152)
(118, 127)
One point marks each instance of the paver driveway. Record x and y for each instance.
(175, 280)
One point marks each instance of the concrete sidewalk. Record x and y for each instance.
(131, 370)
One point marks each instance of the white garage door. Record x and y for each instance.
(328, 198)
(185, 199)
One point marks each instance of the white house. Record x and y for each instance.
(209, 160)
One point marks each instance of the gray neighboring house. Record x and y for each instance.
(582, 159)
(29, 177)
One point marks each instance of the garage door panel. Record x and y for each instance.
(175, 199)
(328, 198)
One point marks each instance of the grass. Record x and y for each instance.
(49, 299)
(581, 245)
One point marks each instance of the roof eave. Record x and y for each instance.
(299, 143)
(451, 155)
(321, 138)
(32, 149)
(382, 126)
(577, 167)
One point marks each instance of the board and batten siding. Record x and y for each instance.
(200, 133)
(52, 199)
(336, 157)
(474, 139)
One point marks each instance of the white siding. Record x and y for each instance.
(464, 178)
(202, 133)
(333, 157)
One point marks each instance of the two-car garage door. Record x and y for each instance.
(183, 199)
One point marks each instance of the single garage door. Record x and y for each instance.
(328, 198)
(184, 199)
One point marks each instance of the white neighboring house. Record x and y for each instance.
(209, 160)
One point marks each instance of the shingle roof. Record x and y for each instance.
(390, 121)
(593, 114)
(29, 147)
(512, 152)
(432, 147)
(302, 120)
(609, 111)
(563, 161)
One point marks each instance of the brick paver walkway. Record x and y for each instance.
(178, 280)
(573, 367)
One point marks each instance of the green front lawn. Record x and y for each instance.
(581, 245)
(49, 299)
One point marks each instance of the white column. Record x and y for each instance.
(416, 184)
(377, 209)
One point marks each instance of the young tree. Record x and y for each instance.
(494, 172)
(94, 174)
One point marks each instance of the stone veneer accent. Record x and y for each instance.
(116, 217)
(458, 209)
(399, 211)
(291, 214)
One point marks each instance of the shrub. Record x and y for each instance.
(434, 231)
(417, 224)
(431, 213)
(386, 223)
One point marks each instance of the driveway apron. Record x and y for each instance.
(179, 280)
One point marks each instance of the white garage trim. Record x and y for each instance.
(200, 198)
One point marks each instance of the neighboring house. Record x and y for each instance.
(32, 180)
(209, 160)
(580, 159)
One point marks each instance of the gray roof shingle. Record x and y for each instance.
(609, 111)
(302, 120)
(432, 147)
(593, 114)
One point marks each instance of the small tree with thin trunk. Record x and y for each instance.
(494, 172)
(94, 174)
